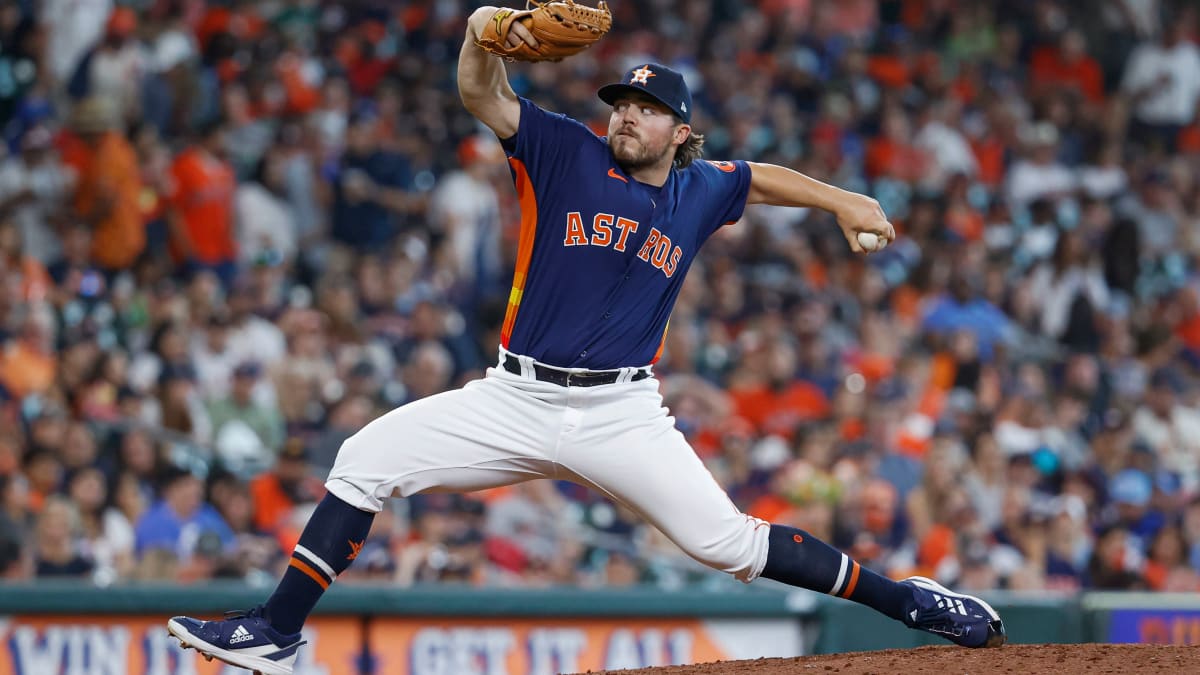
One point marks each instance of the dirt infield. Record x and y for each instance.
(1089, 659)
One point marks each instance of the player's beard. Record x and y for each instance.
(634, 153)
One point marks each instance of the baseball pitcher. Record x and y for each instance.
(609, 227)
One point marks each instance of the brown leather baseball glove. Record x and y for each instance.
(562, 28)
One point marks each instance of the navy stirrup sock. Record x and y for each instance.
(330, 542)
(797, 558)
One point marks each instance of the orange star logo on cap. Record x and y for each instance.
(642, 75)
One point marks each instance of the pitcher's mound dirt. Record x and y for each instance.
(1087, 659)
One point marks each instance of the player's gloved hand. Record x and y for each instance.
(550, 31)
(860, 213)
(518, 34)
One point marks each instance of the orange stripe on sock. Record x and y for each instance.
(853, 582)
(303, 567)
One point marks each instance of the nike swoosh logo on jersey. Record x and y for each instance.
(612, 173)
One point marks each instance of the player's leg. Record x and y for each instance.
(629, 449)
(490, 433)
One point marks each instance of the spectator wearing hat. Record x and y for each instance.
(466, 210)
(370, 189)
(179, 407)
(109, 183)
(1170, 428)
(1130, 492)
(1040, 174)
(201, 216)
(277, 493)
(240, 406)
(116, 67)
(33, 188)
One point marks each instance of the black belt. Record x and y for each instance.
(566, 378)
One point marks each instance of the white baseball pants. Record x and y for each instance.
(506, 428)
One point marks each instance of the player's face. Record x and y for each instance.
(642, 132)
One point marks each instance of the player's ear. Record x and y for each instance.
(682, 132)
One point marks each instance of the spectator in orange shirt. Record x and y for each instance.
(19, 270)
(772, 399)
(1067, 66)
(201, 206)
(106, 196)
(892, 153)
(27, 363)
(279, 491)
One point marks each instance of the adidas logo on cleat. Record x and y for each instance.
(953, 605)
(240, 634)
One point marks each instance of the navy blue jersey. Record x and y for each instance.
(602, 257)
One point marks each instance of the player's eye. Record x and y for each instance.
(647, 110)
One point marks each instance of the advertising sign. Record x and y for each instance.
(140, 645)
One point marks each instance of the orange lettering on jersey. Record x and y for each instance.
(673, 262)
(626, 226)
(575, 234)
(661, 249)
(647, 247)
(602, 229)
(727, 167)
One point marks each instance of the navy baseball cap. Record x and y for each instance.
(660, 82)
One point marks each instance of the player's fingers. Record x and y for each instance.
(891, 232)
(852, 239)
(522, 34)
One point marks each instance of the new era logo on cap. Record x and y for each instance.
(662, 83)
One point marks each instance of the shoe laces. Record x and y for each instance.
(255, 612)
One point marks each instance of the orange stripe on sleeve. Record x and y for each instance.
(853, 582)
(529, 217)
(661, 344)
(303, 567)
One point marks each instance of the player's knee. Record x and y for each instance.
(739, 551)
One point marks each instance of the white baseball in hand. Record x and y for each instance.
(870, 241)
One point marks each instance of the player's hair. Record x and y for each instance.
(691, 150)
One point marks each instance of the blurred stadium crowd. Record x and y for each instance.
(234, 231)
